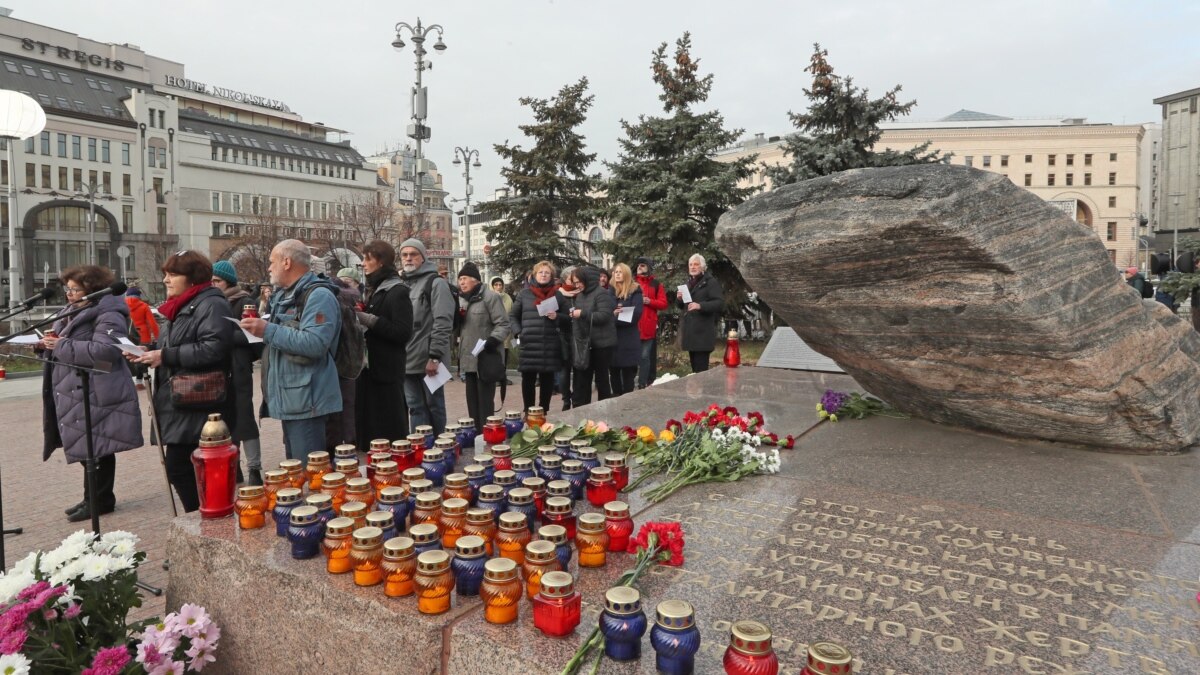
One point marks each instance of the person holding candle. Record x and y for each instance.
(388, 320)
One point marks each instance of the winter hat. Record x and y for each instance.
(494, 280)
(414, 243)
(470, 270)
(648, 262)
(224, 269)
(347, 273)
(1131, 270)
(134, 291)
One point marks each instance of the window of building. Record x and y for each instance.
(75, 147)
(594, 237)
(152, 119)
(214, 153)
(77, 179)
(91, 149)
(1087, 179)
(62, 145)
(308, 210)
(224, 154)
(1112, 156)
(127, 218)
(46, 177)
(1028, 179)
(1112, 178)
(1050, 159)
(1070, 179)
(62, 178)
(235, 156)
(158, 191)
(1112, 231)
(1070, 160)
(324, 211)
(30, 144)
(150, 157)
(291, 208)
(162, 219)
(162, 118)
(969, 161)
(274, 206)
(1087, 159)
(93, 179)
(987, 161)
(1050, 179)
(45, 138)
(104, 152)
(1112, 202)
(162, 158)
(1003, 160)
(255, 204)
(127, 185)
(107, 183)
(125, 154)
(216, 202)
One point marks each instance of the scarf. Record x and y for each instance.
(172, 306)
(692, 281)
(542, 292)
(379, 276)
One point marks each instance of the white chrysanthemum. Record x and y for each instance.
(118, 542)
(69, 572)
(13, 583)
(68, 596)
(78, 538)
(25, 564)
(95, 567)
(14, 664)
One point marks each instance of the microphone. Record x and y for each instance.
(118, 288)
(44, 294)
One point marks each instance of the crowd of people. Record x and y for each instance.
(344, 359)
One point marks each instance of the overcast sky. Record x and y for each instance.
(333, 62)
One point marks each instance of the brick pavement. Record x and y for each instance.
(35, 492)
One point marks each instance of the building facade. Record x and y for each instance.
(397, 169)
(1178, 194)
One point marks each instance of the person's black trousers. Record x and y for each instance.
(601, 357)
(529, 384)
(106, 477)
(481, 399)
(623, 379)
(182, 476)
(699, 361)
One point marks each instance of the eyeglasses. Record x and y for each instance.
(74, 289)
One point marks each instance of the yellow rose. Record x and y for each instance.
(645, 434)
(666, 435)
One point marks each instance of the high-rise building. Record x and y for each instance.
(1178, 194)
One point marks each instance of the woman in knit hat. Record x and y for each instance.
(483, 318)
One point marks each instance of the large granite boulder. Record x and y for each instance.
(964, 299)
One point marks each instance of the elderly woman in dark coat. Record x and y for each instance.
(698, 329)
(87, 340)
(198, 338)
(388, 320)
(541, 354)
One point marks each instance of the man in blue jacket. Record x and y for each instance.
(300, 380)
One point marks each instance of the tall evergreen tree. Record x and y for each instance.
(551, 187)
(666, 190)
(841, 128)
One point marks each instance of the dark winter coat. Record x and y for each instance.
(541, 351)
(199, 340)
(485, 319)
(87, 340)
(698, 329)
(243, 357)
(629, 336)
(379, 400)
(596, 305)
(434, 305)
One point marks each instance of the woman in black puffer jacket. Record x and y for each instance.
(592, 324)
(541, 352)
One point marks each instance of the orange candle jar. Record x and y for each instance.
(512, 536)
(480, 523)
(356, 511)
(359, 489)
(318, 465)
(366, 553)
(295, 472)
(334, 485)
(457, 486)
(539, 559)
(399, 567)
(500, 591)
(412, 473)
(344, 451)
(251, 507)
(348, 466)
(591, 540)
(336, 545)
(535, 417)
(433, 582)
(428, 509)
(273, 480)
(451, 520)
(387, 474)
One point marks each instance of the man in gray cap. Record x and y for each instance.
(433, 308)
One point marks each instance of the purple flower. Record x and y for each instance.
(13, 641)
(149, 655)
(833, 401)
(108, 661)
(32, 590)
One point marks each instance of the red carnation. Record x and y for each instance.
(629, 431)
(730, 410)
(789, 442)
(757, 419)
(674, 424)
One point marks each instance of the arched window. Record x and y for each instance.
(597, 258)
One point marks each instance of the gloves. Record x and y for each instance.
(367, 320)
(491, 344)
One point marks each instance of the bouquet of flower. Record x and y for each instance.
(855, 405)
(185, 641)
(601, 436)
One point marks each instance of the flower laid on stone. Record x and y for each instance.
(185, 641)
(837, 404)
(600, 435)
(655, 543)
(664, 378)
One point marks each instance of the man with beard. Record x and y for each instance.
(433, 308)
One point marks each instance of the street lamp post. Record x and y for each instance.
(89, 193)
(21, 117)
(418, 131)
(463, 156)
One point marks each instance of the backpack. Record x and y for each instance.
(1147, 289)
(351, 354)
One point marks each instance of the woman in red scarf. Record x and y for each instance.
(536, 326)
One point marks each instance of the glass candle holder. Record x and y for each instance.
(359, 489)
(374, 460)
(574, 474)
(551, 467)
(334, 485)
(537, 486)
(494, 432)
(387, 474)
(318, 465)
(619, 525)
(749, 651)
(591, 540)
(616, 463)
(491, 497)
(501, 457)
(434, 582)
(523, 467)
(501, 591)
(476, 478)
(540, 558)
(587, 455)
(513, 424)
(348, 466)
(251, 507)
(417, 442)
(451, 521)
(453, 429)
(399, 566)
(577, 444)
(425, 538)
(295, 472)
(393, 498)
(828, 658)
(426, 431)
(623, 623)
(324, 504)
(273, 481)
(415, 488)
(557, 606)
(733, 351)
(535, 417)
(446, 445)
(356, 511)
(379, 445)
(467, 565)
(505, 478)
(345, 451)
(558, 512)
(520, 500)
(286, 499)
(385, 521)
(428, 509)
(434, 464)
(675, 638)
(562, 445)
(336, 545)
(542, 452)
(467, 433)
(557, 535)
(366, 553)
(402, 455)
(512, 536)
(485, 460)
(304, 532)
(456, 486)
(481, 524)
(600, 487)
(559, 488)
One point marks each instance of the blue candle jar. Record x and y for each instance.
(562, 445)
(551, 467)
(506, 479)
(513, 424)
(520, 500)
(286, 499)
(485, 460)
(385, 521)
(467, 433)
(573, 473)
(491, 497)
(675, 638)
(324, 504)
(426, 431)
(576, 445)
(467, 565)
(557, 535)
(476, 478)
(587, 455)
(415, 488)
(523, 467)
(451, 434)
(425, 538)
(446, 445)
(434, 464)
(305, 532)
(622, 623)
(394, 499)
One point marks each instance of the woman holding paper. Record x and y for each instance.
(88, 340)
(698, 330)
(534, 321)
(593, 337)
(629, 339)
(484, 328)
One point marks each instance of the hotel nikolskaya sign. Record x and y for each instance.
(222, 92)
(66, 53)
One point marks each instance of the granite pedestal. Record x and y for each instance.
(920, 548)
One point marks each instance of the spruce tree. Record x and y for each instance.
(552, 190)
(667, 190)
(841, 128)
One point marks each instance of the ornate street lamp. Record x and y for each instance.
(463, 156)
(418, 130)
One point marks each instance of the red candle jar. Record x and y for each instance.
(501, 591)
(318, 465)
(456, 485)
(749, 651)
(387, 474)
(501, 457)
(619, 525)
(615, 461)
(334, 485)
(600, 487)
(481, 523)
(399, 567)
(494, 432)
(557, 606)
(558, 512)
(591, 540)
(379, 445)
(434, 582)
(359, 489)
(537, 486)
(540, 559)
(512, 535)
(273, 481)
(733, 352)
(403, 456)
(373, 461)
(347, 466)
(417, 442)
(295, 472)
(828, 658)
